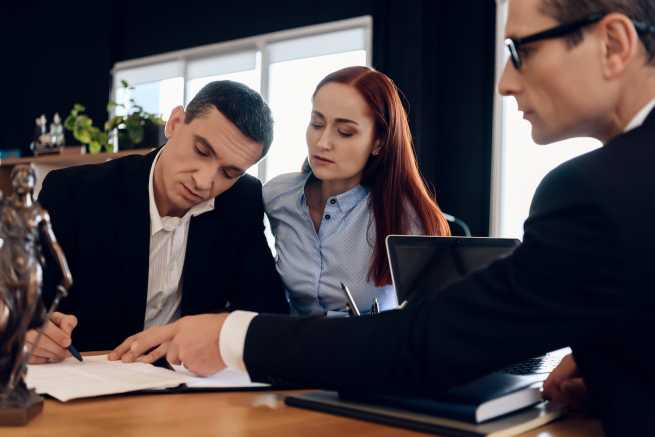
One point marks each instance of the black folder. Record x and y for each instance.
(509, 425)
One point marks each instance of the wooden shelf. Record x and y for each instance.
(68, 159)
(45, 163)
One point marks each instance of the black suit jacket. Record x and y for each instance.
(100, 215)
(583, 277)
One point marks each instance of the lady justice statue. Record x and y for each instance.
(23, 226)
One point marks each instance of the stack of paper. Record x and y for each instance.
(96, 376)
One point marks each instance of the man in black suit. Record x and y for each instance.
(176, 232)
(583, 276)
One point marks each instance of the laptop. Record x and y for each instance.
(420, 263)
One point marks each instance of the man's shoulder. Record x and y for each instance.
(571, 182)
(247, 186)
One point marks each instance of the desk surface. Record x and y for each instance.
(221, 414)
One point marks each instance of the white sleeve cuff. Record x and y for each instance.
(232, 338)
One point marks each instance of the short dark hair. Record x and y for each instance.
(241, 105)
(566, 11)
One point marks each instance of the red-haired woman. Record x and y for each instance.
(359, 184)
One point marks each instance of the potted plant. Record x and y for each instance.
(81, 125)
(135, 128)
(128, 131)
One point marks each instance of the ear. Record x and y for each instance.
(620, 44)
(376, 148)
(174, 121)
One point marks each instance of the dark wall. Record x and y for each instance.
(439, 52)
(58, 54)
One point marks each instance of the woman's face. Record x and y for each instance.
(341, 134)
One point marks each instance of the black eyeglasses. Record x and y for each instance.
(514, 44)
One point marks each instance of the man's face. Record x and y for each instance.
(201, 160)
(560, 89)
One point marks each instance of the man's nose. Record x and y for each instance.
(204, 178)
(509, 83)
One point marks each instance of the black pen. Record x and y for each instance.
(74, 352)
(351, 301)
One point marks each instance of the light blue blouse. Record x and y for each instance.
(313, 264)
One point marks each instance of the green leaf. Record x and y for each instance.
(69, 123)
(83, 122)
(94, 147)
(82, 135)
(156, 119)
(114, 122)
(135, 133)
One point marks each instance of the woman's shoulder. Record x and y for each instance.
(283, 184)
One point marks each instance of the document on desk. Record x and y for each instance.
(228, 378)
(97, 376)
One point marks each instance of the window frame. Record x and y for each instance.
(259, 44)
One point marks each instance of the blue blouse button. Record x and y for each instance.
(328, 216)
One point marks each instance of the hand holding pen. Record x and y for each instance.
(53, 343)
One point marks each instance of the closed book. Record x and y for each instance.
(506, 426)
(483, 399)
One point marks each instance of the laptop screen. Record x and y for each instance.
(419, 262)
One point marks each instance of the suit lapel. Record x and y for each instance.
(133, 240)
(650, 119)
(202, 280)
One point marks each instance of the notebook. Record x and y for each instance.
(505, 426)
(486, 398)
(97, 376)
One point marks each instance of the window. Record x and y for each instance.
(519, 163)
(283, 66)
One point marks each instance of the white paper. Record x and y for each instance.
(97, 376)
(228, 378)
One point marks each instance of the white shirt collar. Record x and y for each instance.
(641, 116)
(157, 222)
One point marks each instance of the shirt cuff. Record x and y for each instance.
(232, 338)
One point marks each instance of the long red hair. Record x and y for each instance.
(392, 176)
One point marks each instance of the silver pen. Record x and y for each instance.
(351, 301)
(375, 308)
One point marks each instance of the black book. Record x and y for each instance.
(506, 426)
(498, 404)
(481, 400)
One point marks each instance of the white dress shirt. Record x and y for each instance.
(639, 119)
(168, 238)
(232, 338)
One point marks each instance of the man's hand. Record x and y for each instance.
(54, 341)
(565, 386)
(147, 346)
(195, 343)
(192, 341)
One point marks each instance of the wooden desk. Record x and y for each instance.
(222, 414)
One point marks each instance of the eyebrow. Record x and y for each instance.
(212, 151)
(338, 120)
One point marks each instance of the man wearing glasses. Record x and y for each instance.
(583, 276)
